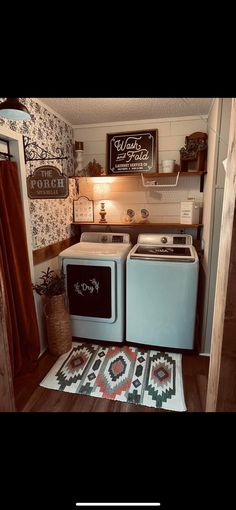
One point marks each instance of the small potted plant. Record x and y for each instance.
(58, 325)
(53, 284)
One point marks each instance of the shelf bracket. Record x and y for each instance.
(33, 152)
(154, 184)
(201, 182)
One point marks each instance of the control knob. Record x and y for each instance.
(164, 240)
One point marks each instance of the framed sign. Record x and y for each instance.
(83, 210)
(133, 152)
(47, 181)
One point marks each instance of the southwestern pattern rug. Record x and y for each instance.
(128, 374)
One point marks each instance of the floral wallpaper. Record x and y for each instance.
(50, 218)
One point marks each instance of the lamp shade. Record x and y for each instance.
(12, 109)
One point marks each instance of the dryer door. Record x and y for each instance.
(91, 291)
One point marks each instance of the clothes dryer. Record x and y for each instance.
(95, 275)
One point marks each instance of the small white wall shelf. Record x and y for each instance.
(154, 183)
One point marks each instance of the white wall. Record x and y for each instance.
(124, 193)
(127, 192)
(171, 134)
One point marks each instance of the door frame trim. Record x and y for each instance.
(223, 267)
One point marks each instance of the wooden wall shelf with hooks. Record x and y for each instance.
(156, 174)
(153, 176)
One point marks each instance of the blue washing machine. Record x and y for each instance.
(162, 284)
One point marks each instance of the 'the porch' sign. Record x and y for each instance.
(47, 182)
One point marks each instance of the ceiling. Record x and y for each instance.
(80, 110)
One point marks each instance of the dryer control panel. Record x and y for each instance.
(104, 237)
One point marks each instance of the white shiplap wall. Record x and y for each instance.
(127, 192)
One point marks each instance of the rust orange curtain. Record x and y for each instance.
(22, 327)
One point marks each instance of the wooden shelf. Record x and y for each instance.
(145, 175)
(143, 225)
(156, 174)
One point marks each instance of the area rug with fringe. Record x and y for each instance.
(128, 374)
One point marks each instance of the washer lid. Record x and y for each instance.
(160, 252)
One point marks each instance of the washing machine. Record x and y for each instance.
(95, 277)
(162, 283)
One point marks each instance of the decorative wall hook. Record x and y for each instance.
(33, 152)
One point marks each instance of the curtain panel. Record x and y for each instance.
(22, 327)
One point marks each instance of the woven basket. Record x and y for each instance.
(58, 325)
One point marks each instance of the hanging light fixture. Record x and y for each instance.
(12, 109)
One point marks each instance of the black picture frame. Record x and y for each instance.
(132, 152)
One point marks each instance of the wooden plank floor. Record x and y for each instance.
(30, 397)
